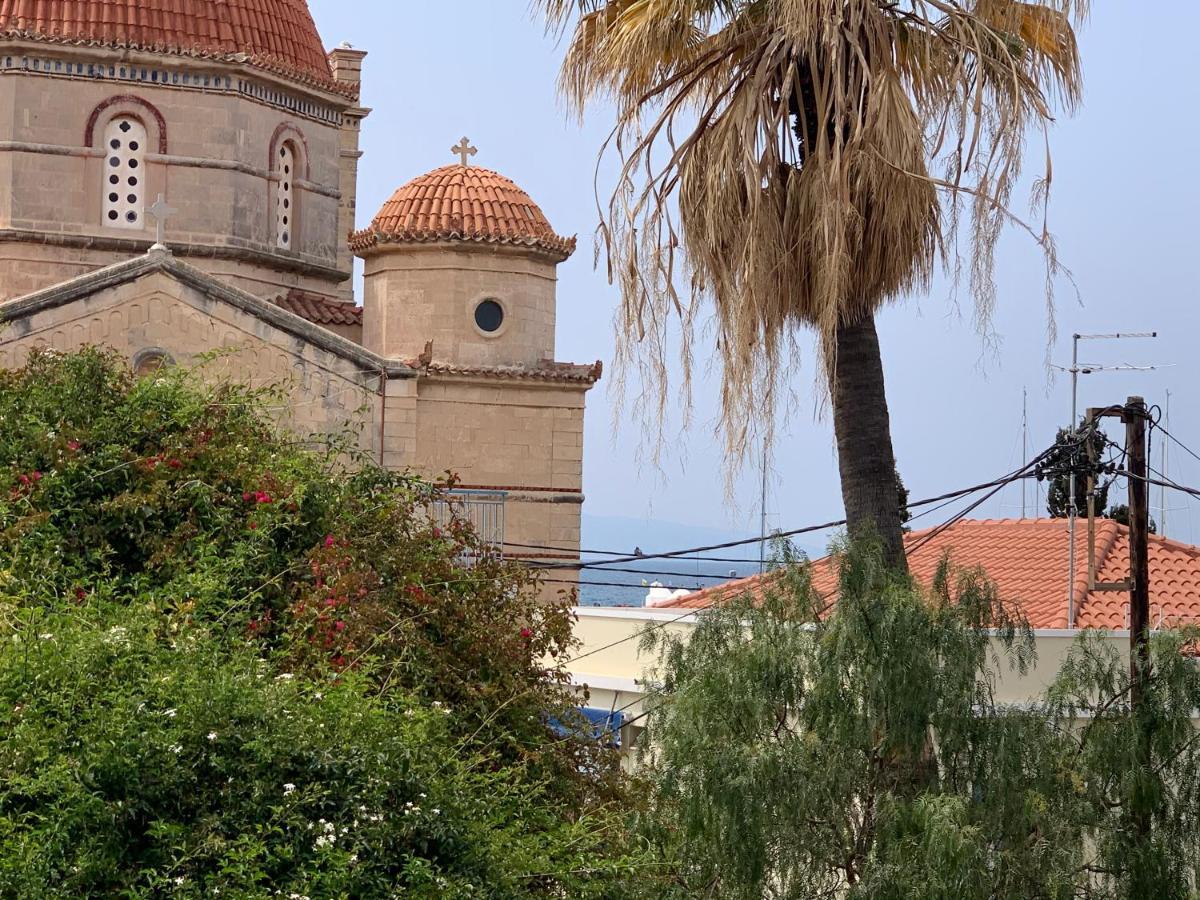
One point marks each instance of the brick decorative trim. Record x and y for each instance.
(89, 132)
(290, 130)
(518, 487)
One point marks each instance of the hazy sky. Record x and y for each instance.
(1124, 211)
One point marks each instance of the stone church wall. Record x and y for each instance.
(418, 294)
(323, 393)
(210, 153)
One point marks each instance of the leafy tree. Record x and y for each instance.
(905, 512)
(798, 163)
(802, 750)
(1120, 513)
(181, 553)
(1070, 453)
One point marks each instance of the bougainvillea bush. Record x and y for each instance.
(215, 636)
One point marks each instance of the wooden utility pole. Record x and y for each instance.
(1139, 606)
(1139, 546)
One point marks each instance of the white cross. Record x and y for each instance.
(161, 213)
(465, 151)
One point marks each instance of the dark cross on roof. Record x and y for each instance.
(465, 151)
(161, 213)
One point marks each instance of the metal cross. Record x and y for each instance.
(161, 213)
(465, 151)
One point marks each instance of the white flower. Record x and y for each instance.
(180, 881)
(353, 858)
(437, 812)
(46, 637)
(177, 749)
(170, 713)
(286, 676)
(212, 735)
(288, 788)
(409, 713)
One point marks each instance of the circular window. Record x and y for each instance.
(489, 316)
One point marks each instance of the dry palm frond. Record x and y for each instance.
(803, 162)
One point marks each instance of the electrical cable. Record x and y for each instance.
(1181, 444)
(560, 548)
(677, 554)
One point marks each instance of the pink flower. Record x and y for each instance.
(262, 497)
(73, 445)
(247, 497)
(254, 526)
(329, 541)
(339, 626)
(175, 464)
(526, 633)
(36, 476)
(24, 479)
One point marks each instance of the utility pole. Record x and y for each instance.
(1139, 594)
(1076, 370)
(1139, 543)
(1024, 444)
(1162, 521)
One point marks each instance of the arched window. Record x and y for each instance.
(124, 173)
(151, 360)
(285, 197)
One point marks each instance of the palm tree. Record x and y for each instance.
(803, 163)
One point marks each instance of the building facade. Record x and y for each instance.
(237, 117)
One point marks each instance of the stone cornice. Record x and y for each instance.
(163, 261)
(93, 62)
(248, 254)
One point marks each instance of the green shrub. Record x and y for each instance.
(137, 764)
(186, 555)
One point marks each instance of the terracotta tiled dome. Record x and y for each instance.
(275, 34)
(463, 203)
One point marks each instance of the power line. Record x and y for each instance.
(622, 553)
(825, 526)
(1186, 449)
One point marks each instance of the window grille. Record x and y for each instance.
(484, 510)
(124, 173)
(285, 198)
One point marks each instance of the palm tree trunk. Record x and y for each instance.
(866, 460)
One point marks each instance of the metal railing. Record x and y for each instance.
(483, 510)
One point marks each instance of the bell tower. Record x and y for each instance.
(461, 267)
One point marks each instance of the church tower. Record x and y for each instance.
(462, 264)
(461, 273)
(233, 110)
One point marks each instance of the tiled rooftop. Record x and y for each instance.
(1028, 559)
(463, 203)
(320, 310)
(275, 34)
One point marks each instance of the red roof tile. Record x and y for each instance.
(319, 310)
(273, 34)
(1027, 559)
(463, 203)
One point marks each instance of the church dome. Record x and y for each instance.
(463, 203)
(278, 35)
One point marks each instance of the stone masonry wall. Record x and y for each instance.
(323, 393)
(415, 294)
(216, 171)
